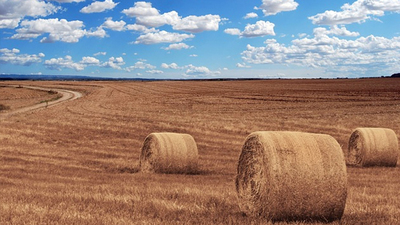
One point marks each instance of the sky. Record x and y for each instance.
(201, 39)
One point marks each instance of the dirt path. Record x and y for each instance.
(67, 95)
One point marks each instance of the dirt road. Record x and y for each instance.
(67, 95)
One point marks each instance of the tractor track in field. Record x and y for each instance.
(67, 95)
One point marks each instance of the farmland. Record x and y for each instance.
(77, 162)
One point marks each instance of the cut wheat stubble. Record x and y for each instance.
(286, 176)
(169, 153)
(373, 147)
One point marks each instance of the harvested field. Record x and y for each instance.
(78, 162)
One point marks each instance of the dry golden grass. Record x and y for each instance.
(77, 162)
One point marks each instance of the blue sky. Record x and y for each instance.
(183, 39)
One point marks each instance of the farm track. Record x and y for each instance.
(67, 95)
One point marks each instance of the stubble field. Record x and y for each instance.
(77, 162)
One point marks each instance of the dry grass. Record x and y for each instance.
(169, 153)
(292, 176)
(373, 147)
(76, 163)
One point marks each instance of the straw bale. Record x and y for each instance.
(169, 153)
(286, 176)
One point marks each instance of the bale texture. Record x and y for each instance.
(373, 147)
(169, 153)
(286, 176)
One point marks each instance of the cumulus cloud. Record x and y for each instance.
(67, 1)
(114, 63)
(196, 24)
(251, 15)
(12, 56)
(199, 71)
(232, 31)
(12, 12)
(141, 9)
(148, 16)
(335, 30)
(89, 61)
(100, 53)
(358, 12)
(60, 63)
(158, 20)
(97, 6)
(99, 32)
(177, 46)
(273, 7)
(331, 53)
(171, 66)
(161, 37)
(141, 28)
(140, 65)
(259, 29)
(58, 30)
(114, 25)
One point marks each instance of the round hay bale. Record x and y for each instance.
(286, 176)
(169, 153)
(373, 147)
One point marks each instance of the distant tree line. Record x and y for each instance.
(396, 75)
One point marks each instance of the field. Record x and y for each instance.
(77, 162)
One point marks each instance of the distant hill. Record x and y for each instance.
(396, 75)
(59, 77)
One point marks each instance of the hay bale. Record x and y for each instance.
(373, 147)
(169, 153)
(285, 176)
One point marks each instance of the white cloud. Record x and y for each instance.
(357, 12)
(373, 54)
(242, 65)
(100, 53)
(97, 6)
(197, 24)
(232, 31)
(114, 25)
(194, 70)
(89, 61)
(60, 63)
(140, 65)
(335, 30)
(259, 29)
(12, 56)
(171, 66)
(273, 7)
(100, 33)
(251, 15)
(67, 1)
(114, 63)
(141, 28)
(58, 30)
(193, 55)
(148, 16)
(162, 37)
(177, 46)
(12, 12)
(141, 9)
(158, 20)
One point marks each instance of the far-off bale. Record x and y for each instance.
(289, 176)
(373, 147)
(169, 153)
